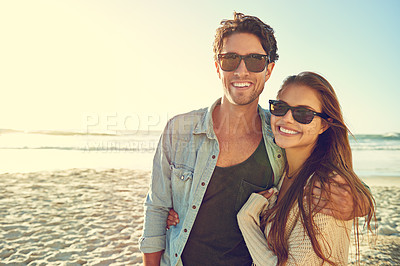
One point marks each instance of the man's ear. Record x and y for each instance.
(268, 73)
(217, 68)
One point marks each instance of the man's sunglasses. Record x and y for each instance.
(300, 114)
(254, 62)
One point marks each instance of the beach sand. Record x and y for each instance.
(384, 247)
(72, 217)
(94, 217)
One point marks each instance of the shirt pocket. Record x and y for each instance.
(245, 190)
(181, 182)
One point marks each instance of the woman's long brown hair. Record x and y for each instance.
(331, 154)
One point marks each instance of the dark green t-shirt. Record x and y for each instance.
(215, 238)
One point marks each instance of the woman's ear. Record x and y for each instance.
(325, 125)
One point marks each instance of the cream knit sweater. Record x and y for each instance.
(335, 232)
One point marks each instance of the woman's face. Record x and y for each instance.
(290, 134)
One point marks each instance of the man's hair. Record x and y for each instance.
(246, 24)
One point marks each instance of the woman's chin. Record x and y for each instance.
(284, 143)
(281, 144)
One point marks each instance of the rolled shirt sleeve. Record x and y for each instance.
(159, 198)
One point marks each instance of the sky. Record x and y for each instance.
(113, 65)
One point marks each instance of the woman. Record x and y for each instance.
(282, 228)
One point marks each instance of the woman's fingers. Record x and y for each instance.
(267, 193)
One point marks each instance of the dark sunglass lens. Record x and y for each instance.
(229, 62)
(279, 108)
(303, 115)
(255, 62)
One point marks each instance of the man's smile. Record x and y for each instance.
(241, 84)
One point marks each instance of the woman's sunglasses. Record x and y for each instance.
(254, 62)
(300, 114)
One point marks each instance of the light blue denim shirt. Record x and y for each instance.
(183, 164)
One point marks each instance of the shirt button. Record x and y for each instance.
(185, 230)
(203, 184)
(279, 156)
(213, 156)
(182, 177)
(194, 207)
(176, 255)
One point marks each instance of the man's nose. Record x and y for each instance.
(241, 70)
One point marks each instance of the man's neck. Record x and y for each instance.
(238, 130)
(230, 119)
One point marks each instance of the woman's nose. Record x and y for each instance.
(288, 116)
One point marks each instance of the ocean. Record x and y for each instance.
(29, 151)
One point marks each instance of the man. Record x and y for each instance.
(209, 161)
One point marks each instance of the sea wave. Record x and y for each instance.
(69, 141)
(4, 131)
(132, 144)
(141, 140)
(93, 148)
(375, 147)
(386, 136)
(151, 145)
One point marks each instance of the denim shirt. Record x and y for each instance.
(183, 164)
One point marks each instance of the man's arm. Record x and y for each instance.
(152, 259)
(342, 205)
(158, 202)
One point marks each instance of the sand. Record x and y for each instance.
(94, 217)
(384, 247)
(72, 217)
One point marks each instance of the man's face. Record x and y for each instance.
(242, 87)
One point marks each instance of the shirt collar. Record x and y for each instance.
(205, 125)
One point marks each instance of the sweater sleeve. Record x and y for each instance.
(249, 223)
(333, 237)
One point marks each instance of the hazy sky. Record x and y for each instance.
(129, 64)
